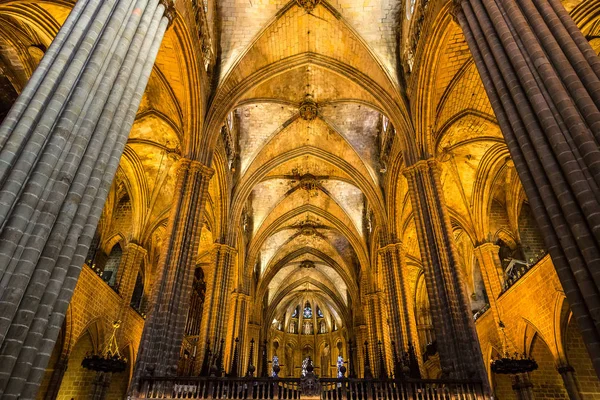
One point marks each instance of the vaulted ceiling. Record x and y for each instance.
(309, 89)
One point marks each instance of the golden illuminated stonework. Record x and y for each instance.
(308, 5)
(307, 264)
(308, 108)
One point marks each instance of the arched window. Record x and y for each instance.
(532, 242)
(91, 255)
(307, 310)
(410, 8)
(112, 265)
(138, 293)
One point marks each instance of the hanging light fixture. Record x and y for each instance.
(109, 360)
(517, 364)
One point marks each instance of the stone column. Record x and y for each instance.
(567, 373)
(165, 326)
(100, 385)
(253, 333)
(56, 379)
(362, 334)
(59, 149)
(375, 316)
(523, 387)
(238, 324)
(543, 81)
(491, 271)
(395, 303)
(131, 263)
(218, 292)
(403, 328)
(457, 340)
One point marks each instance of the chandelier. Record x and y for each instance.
(109, 360)
(517, 364)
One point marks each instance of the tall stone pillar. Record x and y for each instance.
(376, 319)
(218, 293)
(238, 324)
(403, 328)
(131, 262)
(543, 81)
(395, 305)
(491, 270)
(458, 345)
(165, 326)
(60, 146)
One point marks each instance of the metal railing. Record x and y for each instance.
(517, 269)
(290, 388)
(389, 389)
(220, 388)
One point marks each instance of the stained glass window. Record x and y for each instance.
(274, 364)
(307, 310)
(340, 363)
(319, 312)
(304, 365)
(296, 312)
(410, 9)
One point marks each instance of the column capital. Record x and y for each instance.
(376, 295)
(487, 246)
(170, 11)
(565, 368)
(391, 247)
(240, 296)
(138, 248)
(455, 9)
(196, 166)
(224, 249)
(421, 166)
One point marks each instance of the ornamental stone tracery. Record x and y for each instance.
(308, 5)
(308, 108)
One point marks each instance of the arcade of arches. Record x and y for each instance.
(301, 178)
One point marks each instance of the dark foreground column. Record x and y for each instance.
(165, 327)
(542, 78)
(458, 345)
(60, 147)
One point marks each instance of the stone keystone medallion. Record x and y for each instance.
(308, 108)
(308, 5)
